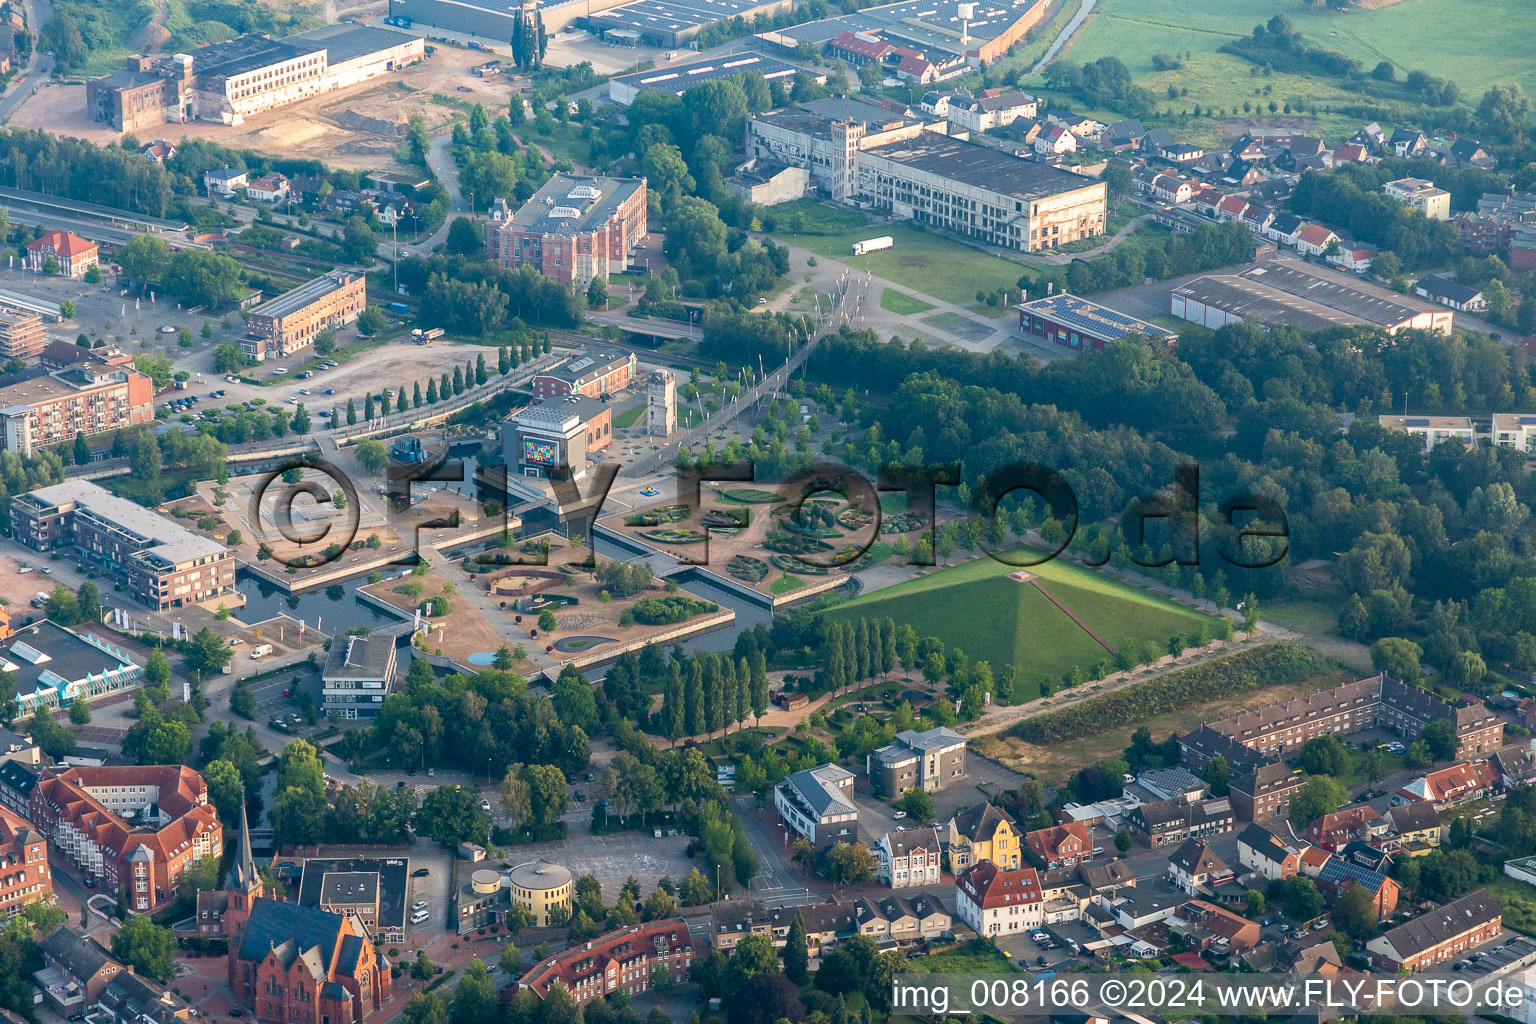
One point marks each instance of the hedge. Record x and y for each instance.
(1270, 665)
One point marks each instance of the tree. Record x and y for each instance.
(300, 422)
(918, 805)
(145, 946)
(765, 998)
(1218, 773)
(1325, 755)
(82, 450)
(371, 455)
(1320, 795)
(1397, 657)
(477, 1000)
(371, 320)
(79, 711)
(597, 294)
(796, 952)
(144, 259)
(753, 955)
(359, 244)
(849, 863)
(207, 652)
(466, 236)
(1300, 900)
(1354, 912)
(157, 668)
(426, 1008)
(452, 815)
(1440, 736)
(202, 278)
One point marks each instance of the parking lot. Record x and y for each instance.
(1505, 952)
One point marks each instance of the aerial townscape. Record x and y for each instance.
(767, 511)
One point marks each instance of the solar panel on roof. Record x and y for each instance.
(1416, 423)
(1526, 420)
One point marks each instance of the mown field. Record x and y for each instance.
(976, 606)
(928, 263)
(1412, 34)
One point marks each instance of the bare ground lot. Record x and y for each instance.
(311, 128)
(612, 859)
(1056, 764)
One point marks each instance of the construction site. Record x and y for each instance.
(359, 128)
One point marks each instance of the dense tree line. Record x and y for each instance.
(474, 296)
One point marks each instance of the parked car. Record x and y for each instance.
(419, 872)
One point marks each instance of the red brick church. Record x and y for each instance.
(292, 964)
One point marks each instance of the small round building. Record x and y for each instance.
(543, 889)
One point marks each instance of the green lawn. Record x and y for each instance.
(629, 417)
(976, 606)
(784, 584)
(926, 263)
(1411, 34)
(902, 304)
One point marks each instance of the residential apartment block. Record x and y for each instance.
(999, 901)
(24, 874)
(86, 398)
(1439, 935)
(572, 229)
(927, 760)
(1279, 730)
(291, 321)
(817, 802)
(984, 832)
(21, 334)
(163, 564)
(622, 961)
(1434, 203)
(138, 827)
(910, 858)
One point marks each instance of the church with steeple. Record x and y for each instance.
(223, 913)
(289, 963)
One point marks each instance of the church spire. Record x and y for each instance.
(242, 874)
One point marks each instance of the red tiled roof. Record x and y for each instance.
(849, 42)
(182, 795)
(1047, 842)
(590, 960)
(989, 886)
(63, 243)
(1315, 234)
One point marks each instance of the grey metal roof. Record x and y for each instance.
(1090, 317)
(983, 167)
(679, 78)
(162, 537)
(573, 204)
(818, 788)
(45, 656)
(288, 928)
(306, 294)
(555, 411)
(345, 42)
(359, 657)
(938, 736)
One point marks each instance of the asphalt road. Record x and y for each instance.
(38, 69)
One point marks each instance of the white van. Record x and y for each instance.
(261, 651)
(420, 916)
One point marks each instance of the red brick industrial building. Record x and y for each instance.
(573, 229)
(591, 374)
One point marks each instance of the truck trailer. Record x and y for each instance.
(873, 245)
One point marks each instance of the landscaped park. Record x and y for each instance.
(1046, 619)
(759, 537)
